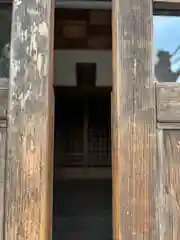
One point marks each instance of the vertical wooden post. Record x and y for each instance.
(3, 137)
(134, 120)
(2, 175)
(30, 122)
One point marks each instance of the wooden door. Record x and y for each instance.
(168, 161)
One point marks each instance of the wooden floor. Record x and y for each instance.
(82, 210)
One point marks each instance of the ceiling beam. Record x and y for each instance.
(83, 4)
(90, 4)
(167, 1)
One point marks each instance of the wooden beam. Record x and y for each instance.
(168, 102)
(30, 122)
(91, 4)
(134, 148)
(170, 8)
(167, 1)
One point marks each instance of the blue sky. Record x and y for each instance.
(167, 35)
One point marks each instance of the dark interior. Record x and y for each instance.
(82, 206)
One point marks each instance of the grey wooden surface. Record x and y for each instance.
(134, 122)
(168, 102)
(169, 188)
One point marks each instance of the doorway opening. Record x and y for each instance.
(82, 194)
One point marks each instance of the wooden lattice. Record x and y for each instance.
(82, 133)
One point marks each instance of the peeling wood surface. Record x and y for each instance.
(134, 120)
(168, 102)
(2, 174)
(169, 187)
(30, 116)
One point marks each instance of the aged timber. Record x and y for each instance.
(3, 125)
(134, 151)
(168, 102)
(29, 154)
(2, 173)
(169, 176)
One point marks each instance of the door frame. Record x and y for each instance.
(29, 164)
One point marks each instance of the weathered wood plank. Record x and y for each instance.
(3, 97)
(164, 125)
(30, 117)
(115, 170)
(168, 1)
(134, 119)
(168, 102)
(3, 103)
(2, 175)
(166, 7)
(169, 188)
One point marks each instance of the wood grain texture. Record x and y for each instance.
(30, 115)
(3, 123)
(168, 102)
(169, 188)
(115, 172)
(168, 1)
(3, 97)
(2, 173)
(134, 120)
(162, 125)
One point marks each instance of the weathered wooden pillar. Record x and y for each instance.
(30, 122)
(134, 148)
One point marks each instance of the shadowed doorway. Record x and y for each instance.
(82, 206)
(82, 165)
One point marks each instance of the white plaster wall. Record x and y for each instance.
(65, 66)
